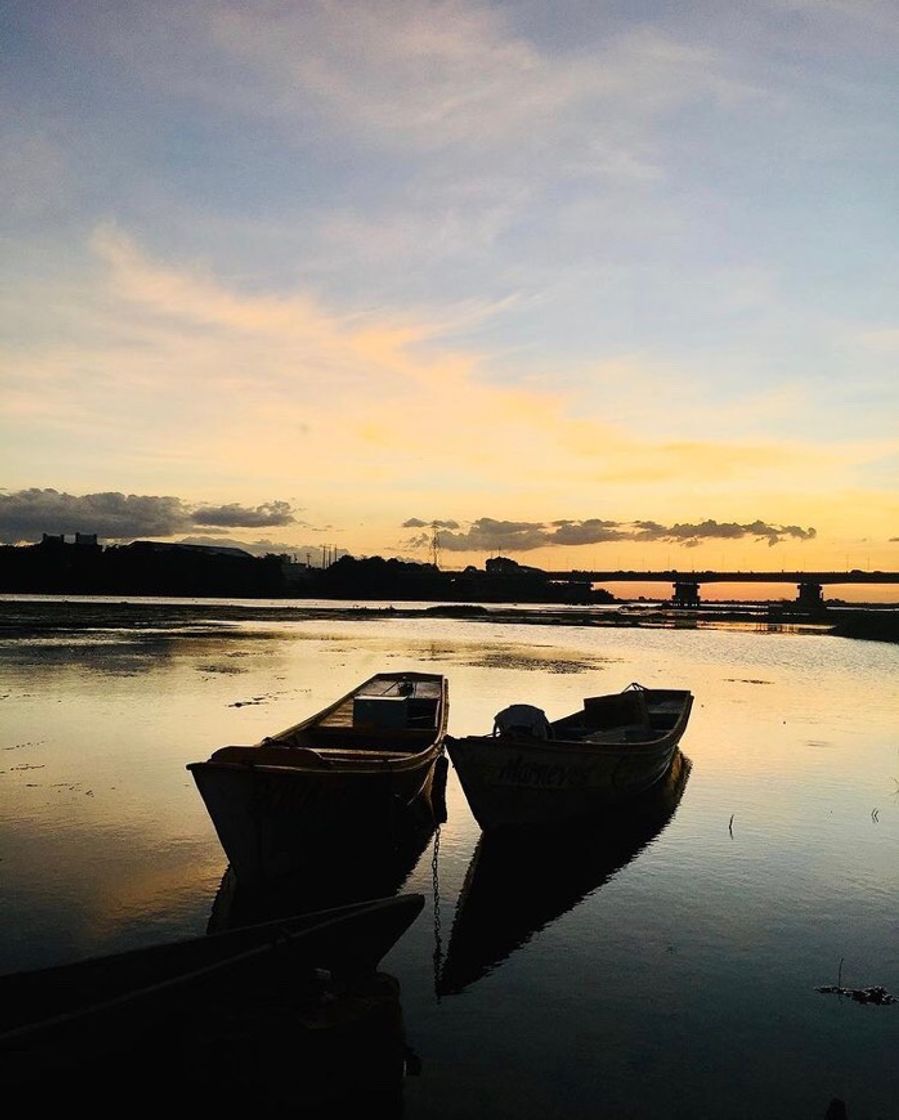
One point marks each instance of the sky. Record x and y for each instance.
(592, 284)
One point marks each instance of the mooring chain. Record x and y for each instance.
(435, 880)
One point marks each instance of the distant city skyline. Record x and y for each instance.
(593, 286)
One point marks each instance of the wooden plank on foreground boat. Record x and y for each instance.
(344, 938)
(210, 1019)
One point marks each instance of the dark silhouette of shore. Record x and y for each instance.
(150, 568)
(84, 567)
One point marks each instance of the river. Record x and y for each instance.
(671, 974)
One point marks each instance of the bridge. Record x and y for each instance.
(809, 585)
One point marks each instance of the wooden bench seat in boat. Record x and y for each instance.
(302, 757)
(630, 733)
(406, 741)
(271, 754)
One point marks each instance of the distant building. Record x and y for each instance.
(501, 566)
(83, 540)
(297, 575)
(504, 566)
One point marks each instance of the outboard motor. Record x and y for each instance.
(522, 719)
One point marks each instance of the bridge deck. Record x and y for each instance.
(673, 576)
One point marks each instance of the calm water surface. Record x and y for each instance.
(668, 971)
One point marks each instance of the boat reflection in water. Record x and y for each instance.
(520, 881)
(336, 875)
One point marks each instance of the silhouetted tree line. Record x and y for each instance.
(376, 578)
(142, 568)
(151, 568)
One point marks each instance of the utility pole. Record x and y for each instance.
(435, 544)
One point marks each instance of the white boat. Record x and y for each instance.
(535, 771)
(347, 773)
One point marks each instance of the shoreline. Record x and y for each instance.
(23, 618)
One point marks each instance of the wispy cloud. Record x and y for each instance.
(448, 73)
(256, 388)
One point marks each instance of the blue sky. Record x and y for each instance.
(517, 261)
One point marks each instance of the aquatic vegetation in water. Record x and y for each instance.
(518, 659)
(875, 994)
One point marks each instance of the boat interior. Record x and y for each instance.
(635, 715)
(391, 716)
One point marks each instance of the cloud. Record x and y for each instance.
(440, 74)
(26, 514)
(485, 115)
(33, 170)
(692, 535)
(591, 531)
(197, 379)
(417, 523)
(233, 514)
(488, 535)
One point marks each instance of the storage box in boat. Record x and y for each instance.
(381, 711)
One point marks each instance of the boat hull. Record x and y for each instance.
(271, 820)
(240, 1017)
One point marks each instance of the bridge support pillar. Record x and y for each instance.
(686, 593)
(810, 594)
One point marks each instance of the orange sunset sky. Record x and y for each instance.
(593, 285)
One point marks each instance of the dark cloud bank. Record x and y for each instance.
(26, 514)
(489, 535)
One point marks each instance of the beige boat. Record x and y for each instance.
(347, 772)
(532, 771)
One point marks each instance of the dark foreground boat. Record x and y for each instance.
(521, 881)
(247, 1015)
(531, 771)
(346, 772)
